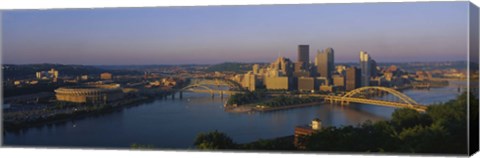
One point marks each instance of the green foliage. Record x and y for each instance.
(366, 137)
(424, 139)
(282, 143)
(247, 98)
(284, 100)
(217, 140)
(407, 118)
(214, 140)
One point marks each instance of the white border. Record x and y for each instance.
(82, 153)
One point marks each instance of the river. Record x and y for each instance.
(174, 123)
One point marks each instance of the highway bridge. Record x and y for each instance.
(364, 95)
(370, 95)
(208, 85)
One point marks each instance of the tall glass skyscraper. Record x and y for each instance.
(325, 63)
(303, 54)
(365, 68)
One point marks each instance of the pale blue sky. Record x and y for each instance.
(426, 31)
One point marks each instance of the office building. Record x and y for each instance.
(303, 54)
(352, 78)
(278, 83)
(329, 88)
(305, 130)
(325, 63)
(320, 81)
(51, 74)
(303, 58)
(283, 66)
(106, 76)
(365, 67)
(306, 84)
(339, 81)
(341, 69)
(84, 77)
(373, 68)
(256, 69)
(249, 81)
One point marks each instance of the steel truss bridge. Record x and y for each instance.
(207, 85)
(365, 95)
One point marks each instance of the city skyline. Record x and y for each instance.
(216, 34)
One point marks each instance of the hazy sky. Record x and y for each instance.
(432, 31)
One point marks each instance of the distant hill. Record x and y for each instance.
(233, 67)
(11, 71)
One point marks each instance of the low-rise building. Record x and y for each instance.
(305, 130)
(249, 81)
(339, 81)
(106, 76)
(306, 84)
(278, 83)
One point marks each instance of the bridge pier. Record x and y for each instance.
(181, 94)
(221, 94)
(173, 96)
(213, 95)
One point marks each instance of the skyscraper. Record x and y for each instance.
(256, 69)
(282, 65)
(353, 78)
(303, 54)
(365, 66)
(325, 63)
(373, 68)
(301, 67)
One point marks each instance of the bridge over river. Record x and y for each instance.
(366, 95)
(373, 95)
(211, 86)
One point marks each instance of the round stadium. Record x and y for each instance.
(90, 93)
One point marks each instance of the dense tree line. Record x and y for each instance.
(31, 89)
(217, 140)
(214, 140)
(247, 98)
(285, 100)
(442, 129)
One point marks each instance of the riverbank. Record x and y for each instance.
(71, 113)
(257, 108)
(265, 109)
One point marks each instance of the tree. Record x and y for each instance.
(425, 139)
(407, 118)
(214, 140)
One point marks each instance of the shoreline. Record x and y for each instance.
(286, 107)
(247, 108)
(14, 126)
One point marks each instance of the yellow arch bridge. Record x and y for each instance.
(207, 86)
(364, 95)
